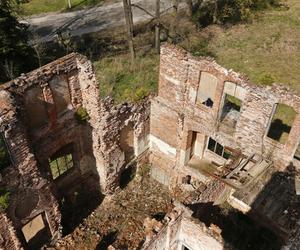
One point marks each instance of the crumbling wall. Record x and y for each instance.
(107, 122)
(30, 193)
(8, 237)
(188, 112)
(114, 120)
(182, 230)
(57, 109)
(177, 111)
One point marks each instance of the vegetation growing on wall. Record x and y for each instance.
(82, 115)
(4, 198)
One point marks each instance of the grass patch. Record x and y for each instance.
(34, 7)
(267, 49)
(123, 82)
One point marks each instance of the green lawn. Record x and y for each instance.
(34, 7)
(267, 50)
(123, 82)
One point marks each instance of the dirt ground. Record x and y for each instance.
(118, 221)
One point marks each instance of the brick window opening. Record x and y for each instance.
(4, 155)
(185, 248)
(127, 142)
(36, 107)
(61, 95)
(36, 232)
(218, 149)
(60, 165)
(297, 153)
(231, 110)
(207, 89)
(281, 123)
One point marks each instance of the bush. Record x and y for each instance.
(82, 115)
(140, 94)
(266, 79)
(230, 11)
(4, 198)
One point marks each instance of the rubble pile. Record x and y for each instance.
(119, 220)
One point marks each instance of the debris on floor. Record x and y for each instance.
(119, 221)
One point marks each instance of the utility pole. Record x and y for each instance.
(70, 4)
(157, 27)
(130, 14)
(129, 27)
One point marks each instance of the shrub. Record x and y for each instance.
(144, 170)
(230, 11)
(140, 94)
(82, 115)
(266, 79)
(4, 198)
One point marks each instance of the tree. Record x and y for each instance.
(157, 26)
(16, 56)
(175, 4)
(129, 27)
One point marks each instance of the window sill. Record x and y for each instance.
(273, 143)
(64, 175)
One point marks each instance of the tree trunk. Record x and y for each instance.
(173, 27)
(130, 15)
(157, 27)
(129, 27)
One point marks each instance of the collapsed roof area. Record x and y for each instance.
(215, 159)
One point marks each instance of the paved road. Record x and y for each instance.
(95, 19)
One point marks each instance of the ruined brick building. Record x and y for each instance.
(209, 135)
(211, 126)
(57, 154)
